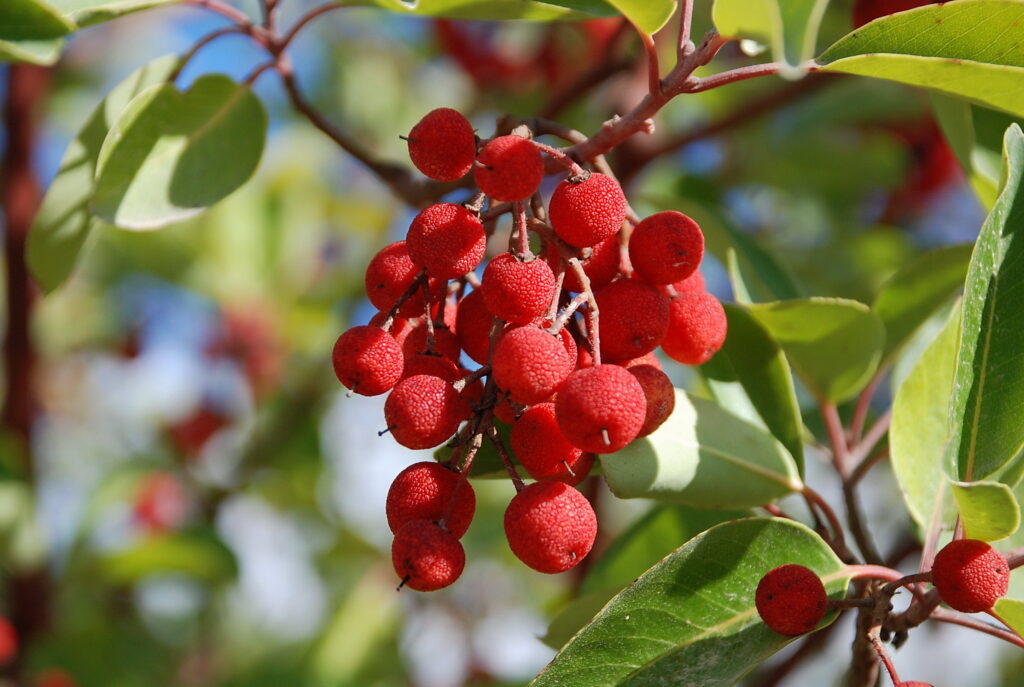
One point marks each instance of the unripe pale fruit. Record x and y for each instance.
(970, 575)
(430, 491)
(601, 267)
(517, 291)
(473, 326)
(445, 343)
(660, 395)
(541, 448)
(442, 145)
(600, 409)
(509, 168)
(389, 275)
(447, 239)
(530, 364)
(634, 318)
(367, 360)
(426, 556)
(666, 247)
(589, 212)
(550, 526)
(423, 411)
(696, 329)
(791, 599)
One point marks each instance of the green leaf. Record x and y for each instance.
(989, 510)
(956, 118)
(646, 15)
(1011, 612)
(64, 222)
(989, 382)
(170, 155)
(790, 27)
(43, 52)
(834, 344)
(87, 12)
(703, 456)
(549, 10)
(197, 553)
(32, 20)
(753, 359)
(690, 620)
(920, 429)
(918, 290)
(969, 48)
(756, 274)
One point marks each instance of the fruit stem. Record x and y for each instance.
(593, 333)
(523, 252)
(506, 459)
(576, 173)
(420, 279)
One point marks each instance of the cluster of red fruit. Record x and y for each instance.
(564, 342)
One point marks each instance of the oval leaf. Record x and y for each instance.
(45, 52)
(170, 155)
(87, 12)
(549, 10)
(753, 359)
(968, 130)
(64, 222)
(834, 344)
(789, 26)
(989, 510)
(199, 554)
(32, 20)
(1011, 612)
(968, 48)
(686, 622)
(703, 456)
(646, 15)
(988, 391)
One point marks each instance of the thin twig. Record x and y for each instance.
(302, 21)
(686, 46)
(954, 618)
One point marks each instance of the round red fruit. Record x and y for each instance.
(550, 526)
(541, 448)
(473, 323)
(389, 275)
(666, 247)
(426, 556)
(509, 168)
(367, 360)
(970, 575)
(530, 364)
(423, 411)
(660, 395)
(517, 291)
(447, 239)
(588, 212)
(442, 145)
(791, 599)
(634, 318)
(430, 491)
(696, 329)
(600, 409)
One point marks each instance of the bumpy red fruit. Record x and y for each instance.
(426, 556)
(517, 291)
(634, 319)
(666, 247)
(660, 395)
(645, 359)
(423, 411)
(367, 360)
(473, 326)
(587, 213)
(447, 239)
(970, 575)
(389, 275)
(442, 145)
(541, 448)
(430, 491)
(601, 267)
(791, 600)
(692, 284)
(600, 409)
(445, 343)
(696, 329)
(530, 364)
(509, 168)
(430, 364)
(550, 526)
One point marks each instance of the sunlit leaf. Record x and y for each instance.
(88, 12)
(42, 52)
(790, 27)
(32, 20)
(989, 510)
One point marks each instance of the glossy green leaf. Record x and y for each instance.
(43, 52)
(980, 164)
(549, 10)
(1011, 612)
(790, 27)
(703, 456)
(751, 358)
(32, 20)
(989, 510)
(920, 429)
(64, 222)
(88, 12)
(989, 382)
(646, 15)
(197, 553)
(170, 155)
(969, 48)
(834, 344)
(918, 290)
(690, 620)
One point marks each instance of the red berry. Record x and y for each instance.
(423, 411)
(660, 395)
(601, 267)
(600, 409)
(447, 239)
(509, 168)
(431, 364)
(696, 328)
(517, 291)
(426, 556)
(389, 275)
(445, 343)
(473, 327)
(586, 213)
(430, 491)
(543, 450)
(367, 360)
(442, 145)
(530, 364)
(634, 319)
(791, 600)
(666, 247)
(869, 10)
(645, 359)
(970, 575)
(550, 526)
(8, 641)
(692, 284)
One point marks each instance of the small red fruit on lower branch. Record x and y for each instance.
(970, 575)
(389, 275)
(509, 168)
(447, 239)
(600, 409)
(542, 449)
(791, 600)
(666, 247)
(430, 491)
(367, 360)
(693, 284)
(660, 395)
(473, 323)
(586, 213)
(634, 319)
(696, 329)
(423, 411)
(550, 526)
(442, 145)
(517, 291)
(426, 556)
(530, 364)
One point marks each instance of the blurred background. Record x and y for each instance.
(206, 507)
